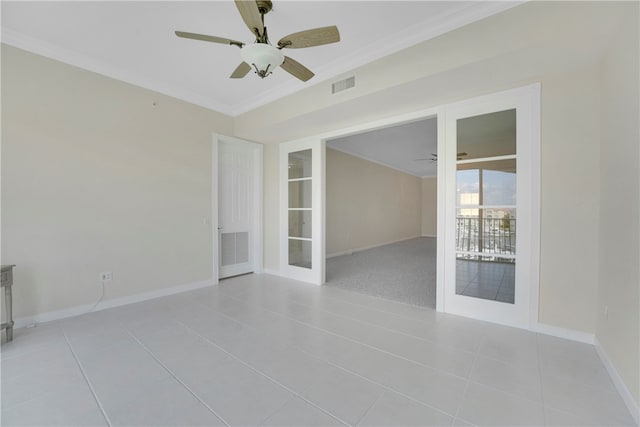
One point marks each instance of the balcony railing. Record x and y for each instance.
(486, 236)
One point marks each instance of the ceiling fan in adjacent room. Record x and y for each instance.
(260, 55)
(434, 157)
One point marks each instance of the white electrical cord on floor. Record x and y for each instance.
(99, 299)
(33, 325)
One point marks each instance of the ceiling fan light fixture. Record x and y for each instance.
(262, 57)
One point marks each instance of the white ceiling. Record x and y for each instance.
(135, 41)
(397, 147)
(410, 147)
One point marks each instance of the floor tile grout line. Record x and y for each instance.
(546, 406)
(466, 387)
(466, 379)
(265, 419)
(328, 361)
(363, 416)
(544, 410)
(386, 387)
(409, 335)
(607, 390)
(377, 298)
(414, 319)
(35, 349)
(263, 374)
(517, 396)
(539, 363)
(28, 400)
(86, 378)
(412, 306)
(177, 378)
(364, 322)
(343, 337)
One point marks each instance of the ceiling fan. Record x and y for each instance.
(434, 157)
(260, 55)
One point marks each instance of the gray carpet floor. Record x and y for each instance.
(404, 271)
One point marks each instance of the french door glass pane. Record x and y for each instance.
(487, 234)
(485, 207)
(300, 196)
(487, 135)
(498, 180)
(300, 253)
(300, 164)
(300, 224)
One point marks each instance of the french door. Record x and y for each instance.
(491, 214)
(302, 169)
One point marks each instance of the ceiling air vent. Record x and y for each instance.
(345, 84)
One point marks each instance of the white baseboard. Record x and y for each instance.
(569, 334)
(631, 403)
(337, 254)
(110, 303)
(271, 271)
(364, 248)
(428, 235)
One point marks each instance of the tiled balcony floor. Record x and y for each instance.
(487, 280)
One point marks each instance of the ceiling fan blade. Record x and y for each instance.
(241, 71)
(206, 38)
(296, 69)
(309, 38)
(251, 15)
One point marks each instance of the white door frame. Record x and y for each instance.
(257, 245)
(440, 113)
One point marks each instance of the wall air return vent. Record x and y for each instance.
(345, 84)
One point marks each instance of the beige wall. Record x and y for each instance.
(570, 151)
(368, 204)
(570, 116)
(95, 178)
(619, 278)
(429, 206)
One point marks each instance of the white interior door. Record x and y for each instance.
(236, 207)
(302, 234)
(491, 220)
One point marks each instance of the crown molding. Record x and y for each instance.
(408, 37)
(372, 160)
(437, 25)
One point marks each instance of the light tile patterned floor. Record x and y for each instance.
(261, 350)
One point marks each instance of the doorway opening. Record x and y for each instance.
(381, 212)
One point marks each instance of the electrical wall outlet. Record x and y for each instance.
(606, 312)
(106, 276)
